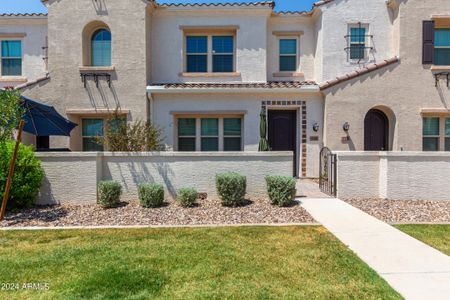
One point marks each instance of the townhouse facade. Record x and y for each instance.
(349, 74)
(23, 42)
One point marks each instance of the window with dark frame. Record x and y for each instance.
(186, 134)
(196, 54)
(223, 52)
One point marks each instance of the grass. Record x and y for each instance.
(187, 263)
(437, 236)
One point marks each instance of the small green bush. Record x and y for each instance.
(27, 178)
(281, 189)
(151, 194)
(231, 188)
(109, 193)
(187, 196)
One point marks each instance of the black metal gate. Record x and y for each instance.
(328, 172)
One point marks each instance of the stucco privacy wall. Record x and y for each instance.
(393, 175)
(35, 34)
(166, 106)
(73, 177)
(66, 21)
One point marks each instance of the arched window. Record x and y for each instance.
(101, 48)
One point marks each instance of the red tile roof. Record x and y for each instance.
(270, 4)
(23, 15)
(257, 85)
(322, 2)
(33, 82)
(357, 73)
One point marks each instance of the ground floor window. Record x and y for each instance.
(210, 134)
(436, 134)
(92, 130)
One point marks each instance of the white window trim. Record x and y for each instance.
(210, 53)
(1, 57)
(366, 42)
(198, 128)
(297, 54)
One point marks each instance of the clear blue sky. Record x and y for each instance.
(24, 6)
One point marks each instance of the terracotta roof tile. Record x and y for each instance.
(357, 73)
(33, 82)
(270, 4)
(257, 85)
(23, 15)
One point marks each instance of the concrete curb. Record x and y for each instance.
(31, 228)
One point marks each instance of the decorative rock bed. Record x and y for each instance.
(206, 212)
(405, 211)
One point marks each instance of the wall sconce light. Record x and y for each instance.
(316, 127)
(346, 127)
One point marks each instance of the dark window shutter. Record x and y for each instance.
(428, 42)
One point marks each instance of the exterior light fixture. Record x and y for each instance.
(315, 127)
(346, 127)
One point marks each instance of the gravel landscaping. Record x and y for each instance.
(131, 213)
(405, 211)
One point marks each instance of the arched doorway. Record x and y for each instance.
(376, 131)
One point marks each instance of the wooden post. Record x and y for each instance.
(11, 170)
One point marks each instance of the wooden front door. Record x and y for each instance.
(376, 131)
(282, 132)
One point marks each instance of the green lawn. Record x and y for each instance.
(189, 263)
(437, 236)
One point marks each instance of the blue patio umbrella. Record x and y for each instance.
(44, 120)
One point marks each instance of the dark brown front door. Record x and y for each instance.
(376, 131)
(283, 132)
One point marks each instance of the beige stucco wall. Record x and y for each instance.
(250, 42)
(333, 27)
(249, 105)
(403, 90)
(393, 175)
(66, 21)
(306, 46)
(73, 177)
(33, 34)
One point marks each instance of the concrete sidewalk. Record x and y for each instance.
(414, 269)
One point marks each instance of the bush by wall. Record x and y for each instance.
(187, 196)
(151, 194)
(27, 177)
(231, 188)
(281, 189)
(109, 194)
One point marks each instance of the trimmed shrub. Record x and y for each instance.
(281, 189)
(27, 178)
(151, 194)
(187, 196)
(231, 188)
(109, 193)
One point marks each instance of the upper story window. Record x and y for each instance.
(288, 55)
(210, 53)
(197, 54)
(442, 46)
(358, 42)
(11, 58)
(101, 48)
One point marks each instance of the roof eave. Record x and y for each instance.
(158, 89)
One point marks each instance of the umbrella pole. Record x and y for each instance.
(11, 170)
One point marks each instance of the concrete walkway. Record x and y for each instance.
(414, 269)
